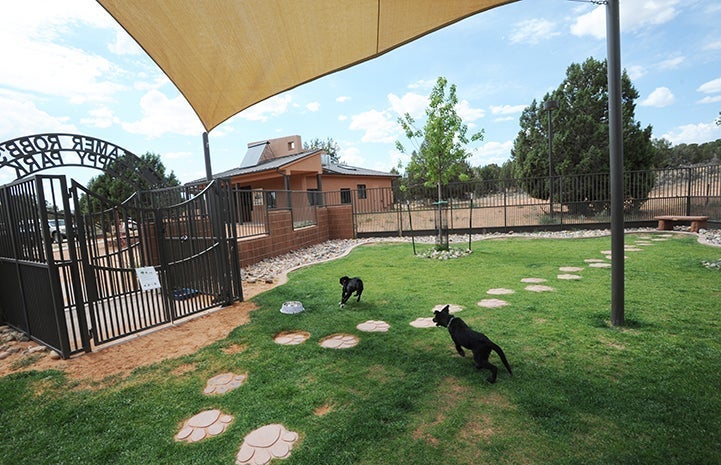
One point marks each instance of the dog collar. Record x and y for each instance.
(450, 321)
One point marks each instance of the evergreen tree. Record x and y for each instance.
(580, 140)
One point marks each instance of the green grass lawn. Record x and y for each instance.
(582, 392)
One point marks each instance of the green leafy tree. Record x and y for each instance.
(119, 187)
(580, 141)
(440, 153)
(329, 145)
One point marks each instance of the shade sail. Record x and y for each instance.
(226, 55)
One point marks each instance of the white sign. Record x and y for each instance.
(148, 278)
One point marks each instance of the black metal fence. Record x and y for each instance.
(577, 201)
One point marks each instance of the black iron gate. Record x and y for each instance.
(177, 240)
(67, 278)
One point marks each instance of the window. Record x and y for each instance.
(291, 145)
(315, 197)
(345, 195)
(362, 191)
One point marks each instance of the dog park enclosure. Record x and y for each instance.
(70, 260)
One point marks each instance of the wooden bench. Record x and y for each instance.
(666, 222)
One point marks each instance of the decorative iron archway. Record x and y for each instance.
(69, 273)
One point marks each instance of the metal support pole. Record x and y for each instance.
(206, 151)
(549, 106)
(615, 144)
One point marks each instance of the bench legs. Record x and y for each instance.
(667, 225)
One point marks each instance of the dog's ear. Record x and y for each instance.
(344, 279)
(446, 309)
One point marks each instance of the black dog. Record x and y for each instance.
(478, 343)
(350, 285)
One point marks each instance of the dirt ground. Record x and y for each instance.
(183, 338)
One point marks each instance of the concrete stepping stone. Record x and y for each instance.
(594, 260)
(539, 288)
(265, 444)
(452, 308)
(224, 382)
(570, 269)
(600, 265)
(644, 244)
(533, 280)
(568, 277)
(500, 291)
(492, 303)
(205, 424)
(423, 322)
(659, 239)
(339, 341)
(291, 338)
(371, 326)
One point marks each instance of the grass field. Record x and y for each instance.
(582, 392)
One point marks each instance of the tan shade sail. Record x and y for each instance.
(226, 55)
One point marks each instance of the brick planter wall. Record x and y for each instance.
(334, 222)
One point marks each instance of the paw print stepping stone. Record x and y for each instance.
(291, 338)
(492, 303)
(568, 277)
(423, 322)
(203, 425)
(600, 264)
(452, 308)
(224, 382)
(265, 444)
(533, 280)
(500, 291)
(339, 341)
(371, 326)
(539, 288)
(570, 269)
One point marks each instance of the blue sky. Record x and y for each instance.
(68, 67)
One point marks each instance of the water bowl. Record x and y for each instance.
(291, 307)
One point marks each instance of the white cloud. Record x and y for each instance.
(272, 107)
(378, 126)
(533, 31)
(694, 133)
(634, 16)
(19, 116)
(101, 117)
(467, 113)
(162, 115)
(313, 106)
(710, 99)
(710, 87)
(411, 103)
(342, 98)
(659, 98)
(422, 84)
(124, 44)
(671, 63)
(45, 67)
(491, 152)
(507, 109)
(636, 72)
(342, 117)
(714, 45)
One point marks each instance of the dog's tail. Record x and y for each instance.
(500, 353)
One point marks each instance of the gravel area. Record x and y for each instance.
(271, 269)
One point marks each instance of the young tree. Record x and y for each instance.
(440, 152)
(580, 138)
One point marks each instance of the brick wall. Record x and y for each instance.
(334, 222)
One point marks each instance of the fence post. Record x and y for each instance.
(688, 191)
